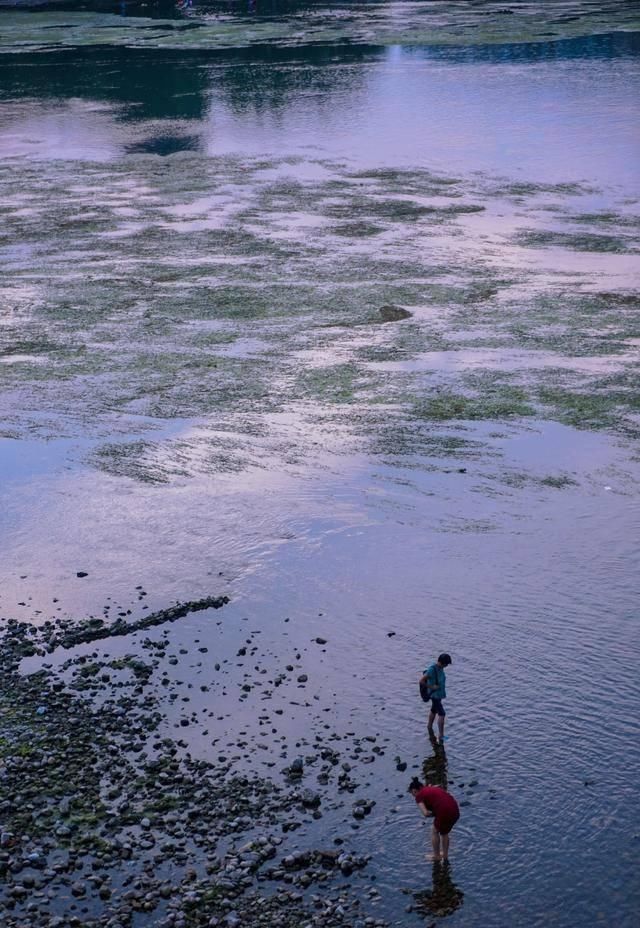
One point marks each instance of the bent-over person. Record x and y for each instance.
(433, 801)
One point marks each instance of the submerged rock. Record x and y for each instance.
(390, 313)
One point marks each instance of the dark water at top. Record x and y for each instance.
(157, 139)
(511, 108)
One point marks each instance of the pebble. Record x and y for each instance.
(83, 751)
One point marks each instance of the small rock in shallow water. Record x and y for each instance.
(310, 799)
(391, 313)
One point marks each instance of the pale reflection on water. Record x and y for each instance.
(543, 120)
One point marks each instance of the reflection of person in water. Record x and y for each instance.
(433, 801)
(434, 768)
(444, 898)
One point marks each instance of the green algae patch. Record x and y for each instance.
(560, 321)
(516, 479)
(584, 241)
(459, 209)
(372, 209)
(391, 210)
(531, 188)
(607, 219)
(599, 407)
(497, 401)
(558, 482)
(339, 383)
(443, 23)
(416, 181)
(357, 229)
(405, 438)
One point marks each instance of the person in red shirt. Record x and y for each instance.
(437, 802)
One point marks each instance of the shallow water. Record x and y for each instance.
(200, 396)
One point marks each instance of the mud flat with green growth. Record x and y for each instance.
(319, 342)
(217, 25)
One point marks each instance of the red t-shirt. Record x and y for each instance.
(438, 801)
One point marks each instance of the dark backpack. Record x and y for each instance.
(426, 689)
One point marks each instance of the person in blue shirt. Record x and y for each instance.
(436, 681)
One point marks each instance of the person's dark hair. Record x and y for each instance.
(415, 784)
(445, 660)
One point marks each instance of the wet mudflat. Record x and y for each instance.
(331, 312)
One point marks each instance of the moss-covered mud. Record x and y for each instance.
(206, 26)
(207, 291)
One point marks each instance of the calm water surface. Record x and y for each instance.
(129, 175)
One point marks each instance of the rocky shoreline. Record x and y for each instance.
(107, 823)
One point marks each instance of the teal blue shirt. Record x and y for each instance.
(436, 677)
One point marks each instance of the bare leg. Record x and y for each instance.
(441, 726)
(432, 718)
(445, 846)
(435, 842)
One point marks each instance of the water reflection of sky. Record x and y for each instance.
(544, 111)
(70, 131)
(548, 120)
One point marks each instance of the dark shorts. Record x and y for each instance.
(444, 823)
(437, 708)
